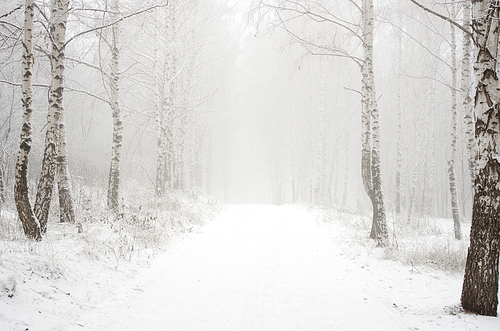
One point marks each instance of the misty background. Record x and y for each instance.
(265, 111)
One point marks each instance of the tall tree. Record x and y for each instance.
(66, 211)
(45, 186)
(114, 171)
(379, 222)
(466, 91)
(29, 222)
(453, 147)
(480, 287)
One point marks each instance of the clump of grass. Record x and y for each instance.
(415, 241)
(143, 224)
(426, 242)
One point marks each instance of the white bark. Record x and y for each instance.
(319, 175)
(453, 147)
(480, 287)
(49, 166)
(294, 153)
(170, 95)
(159, 115)
(114, 171)
(66, 210)
(379, 223)
(466, 92)
(29, 222)
(399, 149)
(312, 181)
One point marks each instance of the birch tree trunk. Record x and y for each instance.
(379, 223)
(453, 147)
(312, 171)
(432, 172)
(346, 176)
(171, 72)
(319, 175)
(114, 171)
(480, 287)
(196, 164)
(182, 148)
(46, 182)
(159, 115)
(399, 151)
(294, 152)
(66, 211)
(29, 222)
(466, 92)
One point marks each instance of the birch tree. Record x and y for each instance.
(480, 286)
(371, 164)
(466, 90)
(57, 30)
(30, 224)
(114, 171)
(66, 211)
(453, 147)
(165, 110)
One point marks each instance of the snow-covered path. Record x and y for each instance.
(275, 268)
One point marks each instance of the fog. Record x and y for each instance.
(267, 102)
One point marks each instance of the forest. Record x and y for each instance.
(155, 112)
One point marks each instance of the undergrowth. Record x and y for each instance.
(143, 225)
(427, 241)
(415, 241)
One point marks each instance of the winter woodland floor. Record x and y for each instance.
(262, 268)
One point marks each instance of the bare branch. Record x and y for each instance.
(353, 90)
(71, 89)
(447, 19)
(12, 11)
(114, 22)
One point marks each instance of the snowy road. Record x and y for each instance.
(274, 268)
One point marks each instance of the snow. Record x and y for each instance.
(255, 267)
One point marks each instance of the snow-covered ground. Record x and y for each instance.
(253, 268)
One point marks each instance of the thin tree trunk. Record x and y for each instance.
(399, 151)
(379, 223)
(432, 172)
(346, 176)
(29, 222)
(466, 92)
(480, 287)
(49, 166)
(159, 88)
(312, 148)
(451, 162)
(319, 176)
(114, 171)
(208, 168)
(293, 159)
(66, 210)
(196, 165)
(170, 98)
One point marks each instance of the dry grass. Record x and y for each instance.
(415, 241)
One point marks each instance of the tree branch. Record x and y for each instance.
(12, 11)
(113, 23)
(71, 89)
(446, 19)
